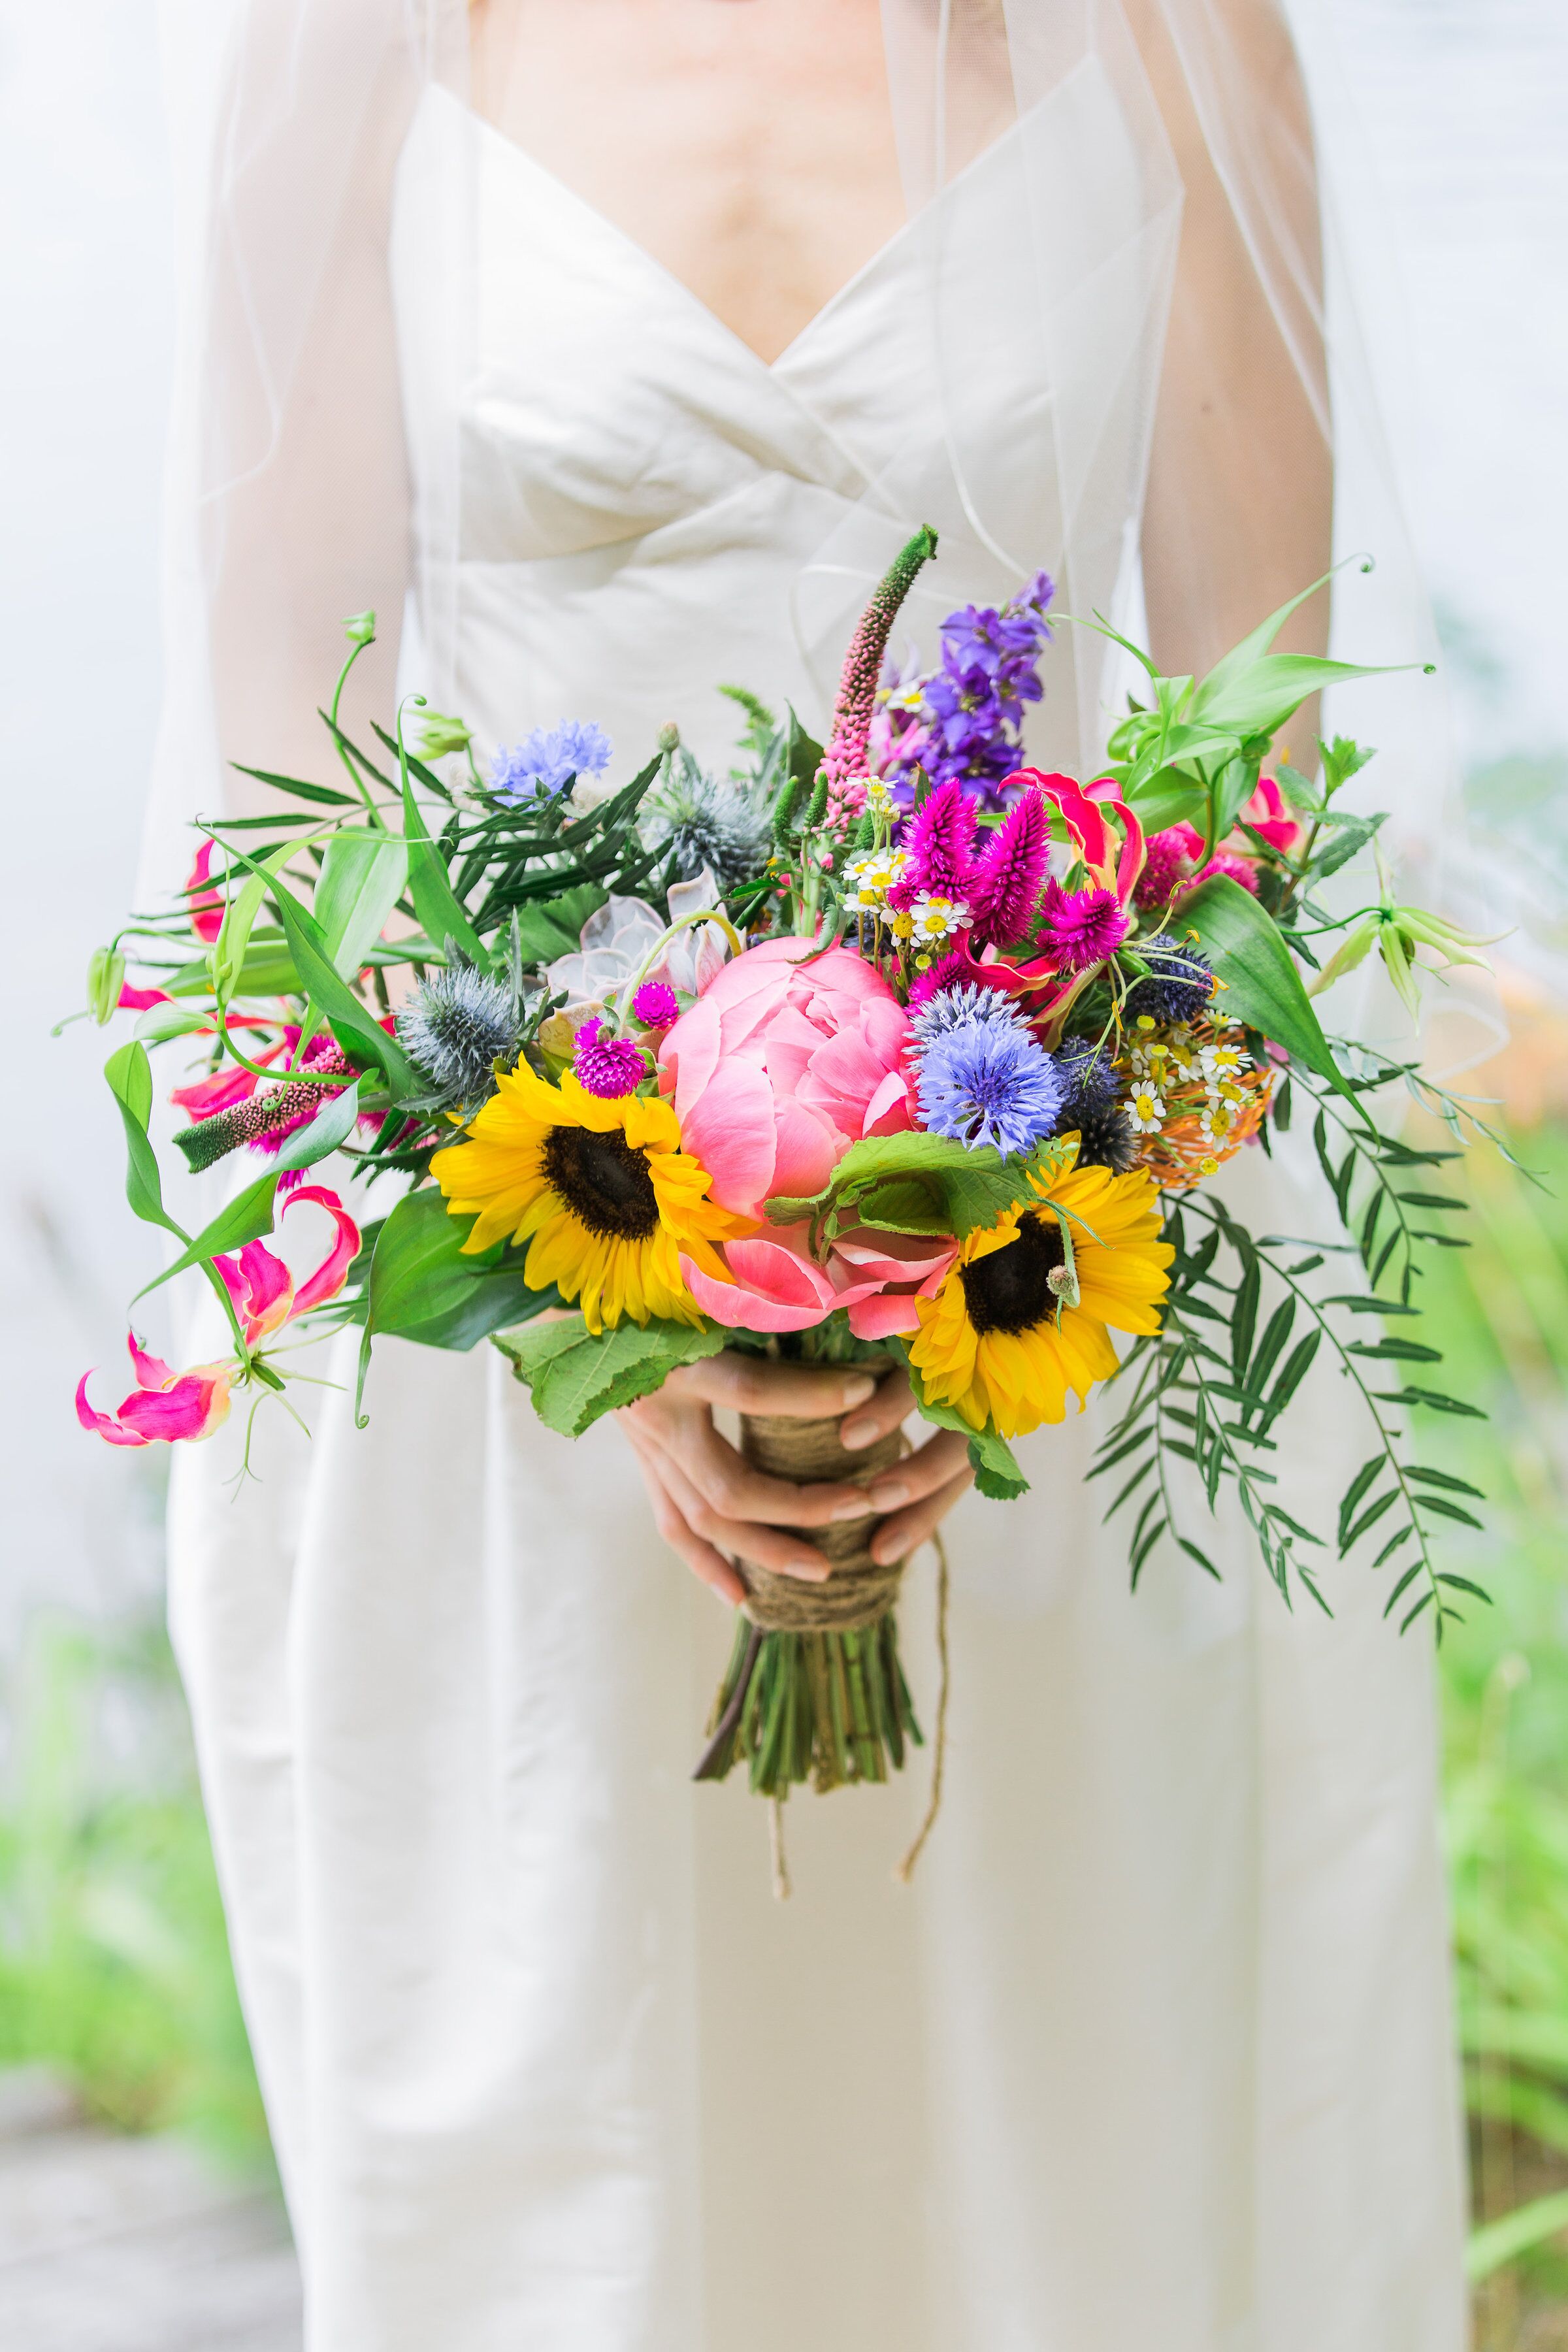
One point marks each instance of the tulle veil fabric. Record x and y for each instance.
(290, 503)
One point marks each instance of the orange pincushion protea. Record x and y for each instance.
(1194, 1097)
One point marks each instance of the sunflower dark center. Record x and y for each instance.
(604, 1182)
(1010, 1290)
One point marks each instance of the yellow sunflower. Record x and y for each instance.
(1003, 1340)
(601, 1191)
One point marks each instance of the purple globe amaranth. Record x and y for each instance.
(607, 1066)
(844, 755)
(656, 1004)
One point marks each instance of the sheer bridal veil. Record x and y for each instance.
(290, 485)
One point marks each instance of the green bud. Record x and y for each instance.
(359, 628)
(438, 735)
(105, 979)
(668, 737)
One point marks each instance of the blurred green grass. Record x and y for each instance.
(114, 1968)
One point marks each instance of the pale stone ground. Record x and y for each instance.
(117, 2244)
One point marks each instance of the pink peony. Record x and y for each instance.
(776, 1285)
(787, 1058)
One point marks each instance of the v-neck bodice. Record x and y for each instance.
(643, 507)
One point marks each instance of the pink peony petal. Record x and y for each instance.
(807, 1148)
(883, 1314)
(740, 1309)
(889, 1111)
(730, 1128)
(774, 1271)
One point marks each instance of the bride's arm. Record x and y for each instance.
(1239, 509)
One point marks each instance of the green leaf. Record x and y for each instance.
(1500, 2241)
(1261, 984)
(1353, 1495)
(1443, 1478)
(1432, 1398)
(297, 785)
(364, 874)
(353, 1024)
(1449, 1510)
(554, 927)
(1260, 698)
(129, 1076)
(1244, 1317)
(245, 1219)
(914, 1182)
(423, 1287)
(435, 903)
(995, 1467)
(1408, 1351)
(574, 1384)
(160, 1023)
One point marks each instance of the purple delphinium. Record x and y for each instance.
(549, 758)
(988, 1080)
(1081, 927)
(607, 1066)
(656, 1004)
(962, 726)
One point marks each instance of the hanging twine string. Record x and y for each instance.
(782, 1887)
(904, 1870)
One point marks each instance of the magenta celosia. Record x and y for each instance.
(1082, 927)
(1007, 888)
(940, 840)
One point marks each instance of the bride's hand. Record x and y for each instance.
(708, 1499)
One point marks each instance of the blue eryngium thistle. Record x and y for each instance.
(987, 1080)
(1179, 985)
(456, 1024)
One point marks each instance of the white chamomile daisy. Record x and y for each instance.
(937, 919)
(1221, 1060)
(880, 800)
(1145, 1109)
(868, 878)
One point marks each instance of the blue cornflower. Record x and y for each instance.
(549, 758)
(988, 1081)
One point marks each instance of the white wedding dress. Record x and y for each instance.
(1155, 2052)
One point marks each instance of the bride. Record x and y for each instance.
(608, 348)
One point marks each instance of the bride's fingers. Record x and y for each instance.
(892, 1404)
(900, 1535)
(752, 1384)
(707, 1565)
(731, 1486)
(772, 1547)
(933, 1464)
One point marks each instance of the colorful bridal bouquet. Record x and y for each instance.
(894, 1049)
